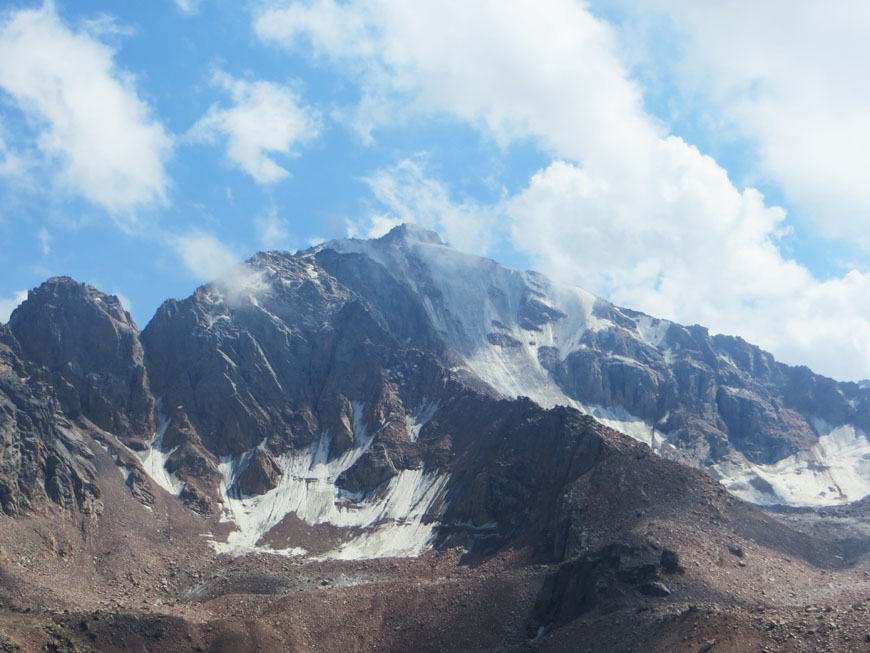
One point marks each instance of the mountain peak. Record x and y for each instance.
(411, 232)
(59, 290)
(90, 346)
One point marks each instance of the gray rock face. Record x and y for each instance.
(716, 394)
(277, 368)
(90, 347)
(42, 457)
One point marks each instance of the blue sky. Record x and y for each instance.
(701, 162)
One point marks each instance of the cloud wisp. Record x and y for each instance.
(210, 261)
(404, 192)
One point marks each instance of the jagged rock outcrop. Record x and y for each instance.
(711, 394)
(90, 348)
(42, 455)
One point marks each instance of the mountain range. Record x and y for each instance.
(388, 443)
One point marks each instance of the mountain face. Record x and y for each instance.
(41, 455)
(370, 399)
(772, 433)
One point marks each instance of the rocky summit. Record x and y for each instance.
(389, 445)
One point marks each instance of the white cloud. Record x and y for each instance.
(504, 64)
(44, 238)
(265, 119)
(206, 257)
(210, 260)
(625, 209)
(789, 78)
(95, 132)
(724, 271)
(9, 304)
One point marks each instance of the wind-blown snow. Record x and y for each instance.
(477, 297)
(392, 520)
(835, 470)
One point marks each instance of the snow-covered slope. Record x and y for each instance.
(474, 303)
(715, 402)
(388, 525)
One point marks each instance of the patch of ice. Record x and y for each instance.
(652, 331)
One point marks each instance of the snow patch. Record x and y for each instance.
(621, 420)
(834, 471)
(125, 471)
(652, 331)
(153, 460)
(417, 420)
(394, 518)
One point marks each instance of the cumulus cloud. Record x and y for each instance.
(94, 132)
(266, 119)
(626, 209)
(504, 64)
(405, 193)
(9, 304)
(785, 79)
(724, 269)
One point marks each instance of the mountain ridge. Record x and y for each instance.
(348, 426)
